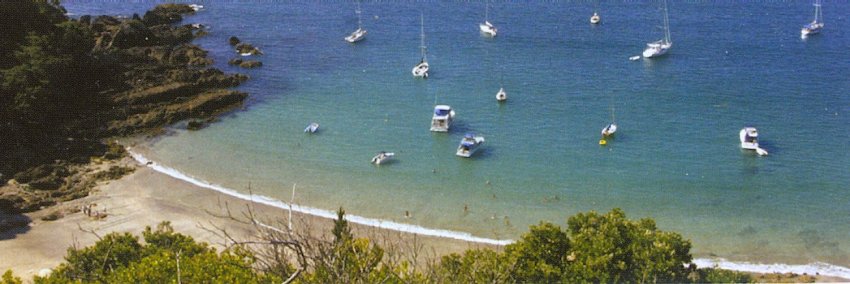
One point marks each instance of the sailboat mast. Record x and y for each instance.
(486, 11)
(359, 22)
(666, 24)
(818, 13)
(422, 34)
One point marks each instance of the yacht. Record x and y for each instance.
(750, 140)
(595, 19)
(382, 157)
(816, 25)
(442, 119)
(501, 96)
(312, 128)
(487, 28)
(360, 33)
(609, 130)
(469, 144)
(660, 47)
(421, 69)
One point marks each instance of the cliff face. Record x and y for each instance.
(148, 76)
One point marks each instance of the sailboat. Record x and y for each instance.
(486, 27)
(660, 47)
(611, 128)
(360, 33)
(816, 25)
(421, 68)
(596, 19)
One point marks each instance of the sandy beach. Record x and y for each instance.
(146, 198)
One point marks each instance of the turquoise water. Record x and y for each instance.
(676, 157)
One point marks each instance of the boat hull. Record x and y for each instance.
(421, 70)
(356, 36)
(488, 30)
(468, 148)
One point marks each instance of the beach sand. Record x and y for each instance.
(146, 198)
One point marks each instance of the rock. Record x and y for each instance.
(250, 64)
(234, 40)
(167, 35)
(194, 125)
(235, 61)
(165, 14)
(133, 33)
(189, 54)
(247, 48)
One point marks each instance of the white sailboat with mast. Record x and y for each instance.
(421, 68)
(660, 47)
(816, 25)
(486, 27)
(360, 33)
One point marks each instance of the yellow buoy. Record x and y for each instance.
(603, 142)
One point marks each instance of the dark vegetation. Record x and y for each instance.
(598, 248)
(68, 85)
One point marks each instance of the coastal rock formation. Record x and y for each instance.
(247, 49)
(245, 63)
(145, 74)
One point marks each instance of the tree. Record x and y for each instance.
(610, 248)
(540, 255)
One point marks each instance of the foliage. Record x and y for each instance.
(348, 259)
(9, 278)
(594, 248)
(165, 257)
(610, 248)
(540, 255)
(715, 275)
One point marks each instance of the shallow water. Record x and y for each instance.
(675, 158)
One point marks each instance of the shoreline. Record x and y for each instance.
(154, 193)
(832, 272)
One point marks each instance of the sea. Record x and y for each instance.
(676, 157)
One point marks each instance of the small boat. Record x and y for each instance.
(469, 144)
(421, 68)
(816, 25)
(442, 119)
(750, 141)
(595, 19)
(487, 28)
(312, 128)
(633, 58)
(501, 96)
(609, 130)
(360, 33)
(660, 47)
(196, 7)
(382, 157)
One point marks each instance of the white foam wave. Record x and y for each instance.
(383, 224)
(817, 268)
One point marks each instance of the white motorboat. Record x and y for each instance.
(469, 144)
(595, 19)
(609, 130)
(421, 69)
(382, 157)
(360, 33)
(312, 128)
(816, 25)
(486, 27)
(442, 119)
(660, 47)
(750, 140)
(501, 96)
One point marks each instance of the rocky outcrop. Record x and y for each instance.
(245, 63)
(247, 49)
(157, 78)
